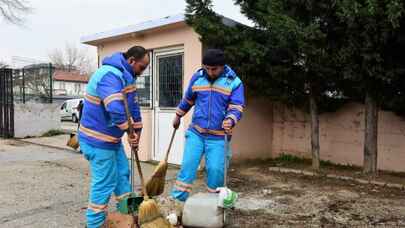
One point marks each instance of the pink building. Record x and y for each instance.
(266, 130)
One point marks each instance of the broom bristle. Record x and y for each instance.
(156, 185)
(158, 223)
(73, 142)
(150, 217)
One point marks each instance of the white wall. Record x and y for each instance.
(69, 87)
(33, 119)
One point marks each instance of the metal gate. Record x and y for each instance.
(6, 103)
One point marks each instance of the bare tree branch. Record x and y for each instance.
(37, 82)
(57, 58)
(13, 11)
(72, 58)
(3, 65)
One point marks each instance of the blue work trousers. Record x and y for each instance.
(196, 146)
(109, 175)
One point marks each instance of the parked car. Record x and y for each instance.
(69, 111)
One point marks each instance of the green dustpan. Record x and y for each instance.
(130, 204)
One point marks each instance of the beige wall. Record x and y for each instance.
(145, 147)
(341, 136)
(252, 137)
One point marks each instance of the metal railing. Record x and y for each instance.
(33, 84)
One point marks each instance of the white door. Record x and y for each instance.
(168, 91)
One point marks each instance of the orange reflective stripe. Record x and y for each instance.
(215, 132)
(98, 135)
(137, 125)
(182, 189)
(123, 126)
(97, 207)
(113, 97)
(128, 89)
(201, 88)
(214, 88)
(200, 129)
(232, 116)
(221, 90)
(120, 197)
(189, 101)
(184, 184)
(208, 131)
(180, 112)
(237, 107)
(92, 99)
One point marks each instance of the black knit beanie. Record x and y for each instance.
(214, 57)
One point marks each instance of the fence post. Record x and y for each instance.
(11, 129)
(2, 130)
(6, 103)
(23, 85)
(50, 83)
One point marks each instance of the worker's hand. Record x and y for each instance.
(133, 139)
(176, 122)
(227, 125)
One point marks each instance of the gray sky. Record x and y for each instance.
(53, 23)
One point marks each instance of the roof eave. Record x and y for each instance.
(148, 26)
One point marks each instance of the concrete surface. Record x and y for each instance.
(45, 187)
(58, 141)
(68, 126)
(34, 119)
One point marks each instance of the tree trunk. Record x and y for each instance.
(314, 132)
(371, 132)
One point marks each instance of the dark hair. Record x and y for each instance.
(137, 52)
(214, 57)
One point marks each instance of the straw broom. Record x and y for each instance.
(156, 185)
(149, 215)
(73, 142)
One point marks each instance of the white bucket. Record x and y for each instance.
(201, 210)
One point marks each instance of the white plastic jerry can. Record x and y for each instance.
(201, 210)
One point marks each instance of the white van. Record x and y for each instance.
(69, 111)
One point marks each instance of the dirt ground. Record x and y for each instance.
(44, 187)
(271, 199)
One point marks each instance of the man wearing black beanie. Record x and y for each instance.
(217, 94)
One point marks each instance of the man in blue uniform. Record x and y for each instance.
(217, 94)
(104, 122)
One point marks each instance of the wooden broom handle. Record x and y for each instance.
(134, 150)
(138, 164)
(170, 145)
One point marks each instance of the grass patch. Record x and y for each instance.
(288, 158)
(342, 167)
(292, 160)
(53, 132)
(327, 166)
